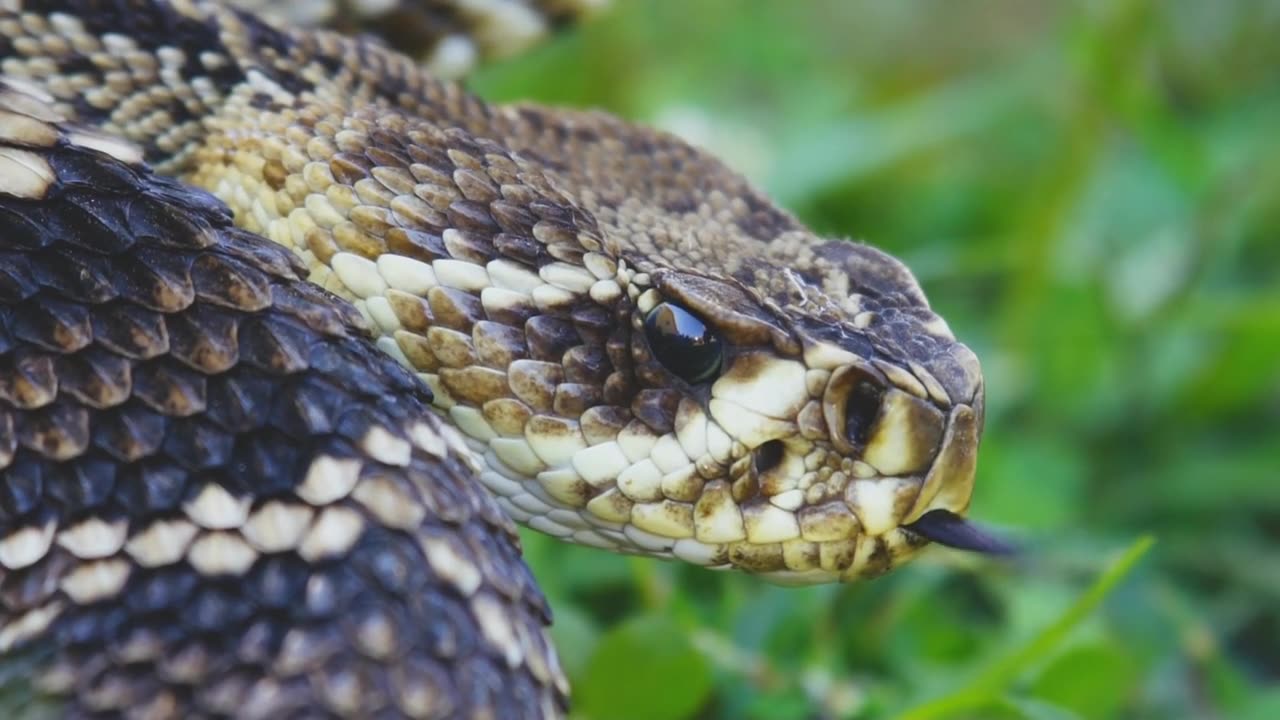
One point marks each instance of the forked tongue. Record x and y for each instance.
(946, 528)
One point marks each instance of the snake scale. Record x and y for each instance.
(261, 452)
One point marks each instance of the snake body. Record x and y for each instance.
(225, 491)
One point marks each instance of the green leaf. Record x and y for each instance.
(1264, 706)
(996, 679)
(1032, 709)
(1094, 681)
(646, 669)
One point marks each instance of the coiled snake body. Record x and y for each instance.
(224, 490)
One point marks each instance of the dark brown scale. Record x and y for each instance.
(87, 224)
(475, 186)
(305, 303)
(149, 218)
(134, 332)
(386, 152)
(130, 433)
(157, 279)
(88, 484)
(272, 457)
(152, 486)
(416, 244)
(593, 323)
(95, 377)
(204, 338)
(309, 410)
(512, 218)
(276, 345)
(549, 232)
(618, 388)
(586, 364)
(650, 372)
(470, 246)
(573, 399)
(188, 356)
(348, 168)
(498, 345)
(169, 387)
(549, 338)
(515, 315)
(201, 445)
(429, 155)
(23, 489)
(23, 231)
(455, 309)
(618, 346)
(470, 215)
(53, 325)
(464, 149)
(476, 385)
(229, 282)
(59, 431)
(240, 402)
(27, 379)
(548, 210)
(602, 423)
(266, 257)
(522, 248)
(656, 408)
(567, 252)
(76, 275)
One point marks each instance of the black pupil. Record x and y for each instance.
(682, 343)
(860, 412)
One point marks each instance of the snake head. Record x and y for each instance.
(824, 422)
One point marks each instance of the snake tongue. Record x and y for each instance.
(946, 528)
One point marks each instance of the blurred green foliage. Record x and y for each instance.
(1090, 193)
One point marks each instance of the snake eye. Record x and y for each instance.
(683, 343)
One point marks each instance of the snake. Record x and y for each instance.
(294, 332)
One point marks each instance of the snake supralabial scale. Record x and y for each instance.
(220, 498)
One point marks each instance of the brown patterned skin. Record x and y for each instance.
(217, 497)
(511, 255)
(515, 258)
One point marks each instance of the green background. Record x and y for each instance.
(1090, 193)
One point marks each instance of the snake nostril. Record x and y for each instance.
(767, 456)
(860, 412)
